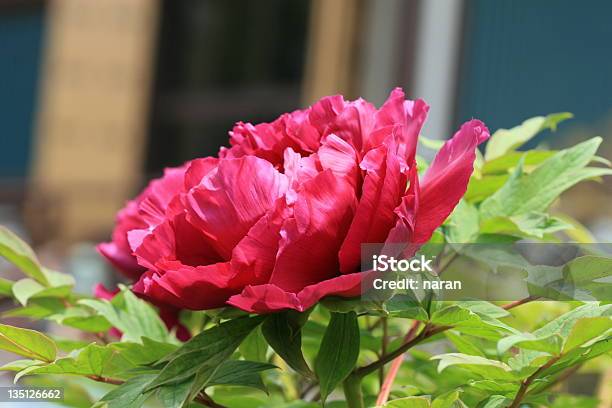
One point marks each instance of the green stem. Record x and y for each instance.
(352, 392)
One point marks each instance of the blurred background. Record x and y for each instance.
(98, 96)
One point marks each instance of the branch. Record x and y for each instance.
(516, 403)
(427, 332)
(385, 388)
(516, 303)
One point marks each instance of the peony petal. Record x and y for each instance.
(158, 195)
(197, 169)
(118, 251)
(355, 123)
(446, 180)
(308, 250)
(265, 299)
(121, 258)
(230, 200)
(254, 257)
(271, 298)
(174, 239)
(101, 292)
(340, 157)
(195, 288)
(383, 188)
(408, 116)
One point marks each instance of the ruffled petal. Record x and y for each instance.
(310, 239)
(187, 287)
(230, 200)
(404, 115)
(383, 188)
(264, 299)
(270, 298)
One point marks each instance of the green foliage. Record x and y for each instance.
(505, 140)
(338, 353)
(283, 331)
(484, 355)
(27, 343)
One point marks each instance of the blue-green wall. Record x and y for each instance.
(20, 55)
(529, 57)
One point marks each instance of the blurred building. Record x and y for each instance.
(98, 96)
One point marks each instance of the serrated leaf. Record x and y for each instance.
(206, 351)
(283, 333)
(522, 193)
(27, 343)
(17, 252)
(338, 353)
(505, 140)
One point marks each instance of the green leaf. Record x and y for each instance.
(522, 194)
(480, 188)
(409, 402)
(240, 373)
(587, 268)
(6, 287)
(480, 366)
(130, 394)
(27, 288)
(254, 346)
(27, 343)
(21, 255)
(549, 343)
(448, 400)
(175, 395)
(137, 319)
(495, 401)
(24, 289)
(103, 361)
(586, 330)
(505, 163)
(464, 225)
(505, 140)
(283, 332)
(206, 351)
(338, 353)
(462, 344)
(533, 224)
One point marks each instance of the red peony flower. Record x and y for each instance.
(278, 220)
